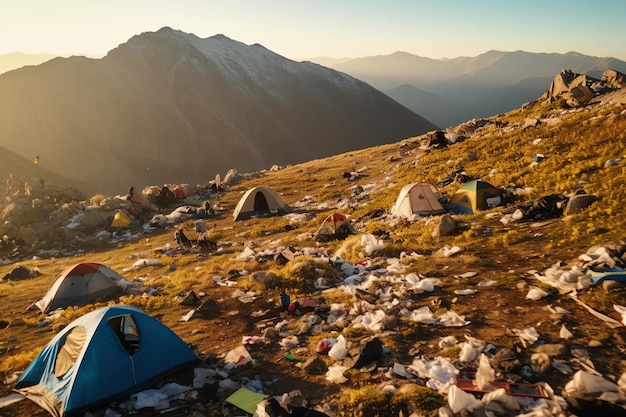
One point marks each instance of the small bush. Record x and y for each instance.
(96, 200)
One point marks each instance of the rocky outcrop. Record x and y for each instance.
(580, 89)
(613, 79)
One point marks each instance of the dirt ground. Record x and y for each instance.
(495, 312)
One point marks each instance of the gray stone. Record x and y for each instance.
(447, 226)
(315, 366)
(579, 202)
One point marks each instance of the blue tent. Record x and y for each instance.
(102, 356)
(609, 274)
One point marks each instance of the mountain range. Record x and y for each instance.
(169, 106)
(451, 91)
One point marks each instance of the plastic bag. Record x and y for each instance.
(459, 400)
(339, 351)
(335, 374)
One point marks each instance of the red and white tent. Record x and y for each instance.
(81, 284)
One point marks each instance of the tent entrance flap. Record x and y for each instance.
(69, 352)
(260, 202)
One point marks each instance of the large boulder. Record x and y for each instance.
(447, 226)
(579, 202)
(575, 89)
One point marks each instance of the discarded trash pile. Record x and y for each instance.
(343, 344)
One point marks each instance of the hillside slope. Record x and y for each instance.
(373, 291)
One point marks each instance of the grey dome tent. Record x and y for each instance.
(417, 200)
(259, 202)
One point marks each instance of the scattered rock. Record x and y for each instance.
(578, 203)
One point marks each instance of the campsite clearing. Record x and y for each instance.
(494, 311)
(484, 251)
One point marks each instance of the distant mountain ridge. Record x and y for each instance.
(170, 106)
(481, 86)
(16, 60)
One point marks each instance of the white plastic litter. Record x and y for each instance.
(427, 285)
(441, 373)
(289, 342)
(586, 383)
(448, 341)
(372, 320)
(238, 356)
(421, 315)
(452, 319)
(621, 310)
(202, 376)
(466, 275)
(222, 282)
(565, 280)
(335, 374)
(500, 402)
(155, 397)
(246, 255)
(459, 400)
(467, 291)
(244, 296)
(339, 351)
(485, 373)
(141, 263)
(557, 309)
(610, 162)
(468, 353)
(450, 250)
(612, 323)
(527, 336)
(565, 333)
(400, 370)
(536, 293)
(188, 315)
(371, 244)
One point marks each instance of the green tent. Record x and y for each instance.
(474, 196)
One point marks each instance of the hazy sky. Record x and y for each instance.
(334, 28)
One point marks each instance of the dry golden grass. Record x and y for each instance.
(575, 152)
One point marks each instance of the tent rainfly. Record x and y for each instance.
(260, 201)
(81, 284)
(418, 200)
(474, 196)
(102, 356)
